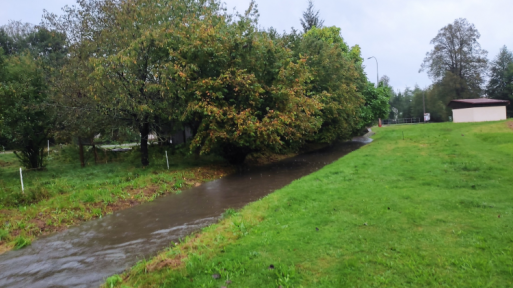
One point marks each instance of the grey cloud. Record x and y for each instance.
(397, 32)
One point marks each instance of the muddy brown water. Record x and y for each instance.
(85, 256)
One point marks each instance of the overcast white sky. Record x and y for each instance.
(396, 32)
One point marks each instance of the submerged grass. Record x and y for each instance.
(434, 209)
(64, 194)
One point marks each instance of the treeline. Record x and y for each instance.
(158, 66)
(459, 68)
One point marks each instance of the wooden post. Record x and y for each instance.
(21, 179)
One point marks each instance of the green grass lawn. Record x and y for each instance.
(434, 209)
(64, 194)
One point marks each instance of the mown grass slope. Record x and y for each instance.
(432, 210)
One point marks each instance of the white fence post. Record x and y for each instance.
(167, 160)
(21, 179)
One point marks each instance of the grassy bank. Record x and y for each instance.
(64, 194)
(432, 209)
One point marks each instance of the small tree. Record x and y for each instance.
(26, 120)
(311, 18)
(377, 104)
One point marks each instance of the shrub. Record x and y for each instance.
(21, 242)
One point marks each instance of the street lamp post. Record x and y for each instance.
(377, 70)
(377, 81)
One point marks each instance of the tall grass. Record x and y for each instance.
(63, 173)
(64, 194)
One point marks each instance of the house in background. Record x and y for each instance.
(478, 110)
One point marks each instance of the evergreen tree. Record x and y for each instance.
(311, 18)
(500, 85)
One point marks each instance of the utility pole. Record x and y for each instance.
(377, 70)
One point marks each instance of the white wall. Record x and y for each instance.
(479, 114)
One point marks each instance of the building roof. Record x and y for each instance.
(480, 102)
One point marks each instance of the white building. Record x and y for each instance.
(478, 110)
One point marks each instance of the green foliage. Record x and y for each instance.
(330, 35)
(21, 242)
(229, 212)
(238, 88)
(114, 280)
(3, 234)
(459, 69)
(249, 97)
(337, 80)
(500, 85)
(402, 101)
(127, 83)
(167, 65)
(377, 104)
(17, 38)
(26, 121)
(25, 118)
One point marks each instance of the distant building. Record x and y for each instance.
(478, 110)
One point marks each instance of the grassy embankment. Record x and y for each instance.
(434, 209)
(64, 194)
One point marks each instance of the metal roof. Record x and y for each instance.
(474, 103)
(480, 101)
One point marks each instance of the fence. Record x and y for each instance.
(402, 121)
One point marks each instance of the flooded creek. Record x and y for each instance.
(86, 255)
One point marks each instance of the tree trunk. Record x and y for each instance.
(34, 155)
(81, 152)
(95, 155)
(145, 130)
